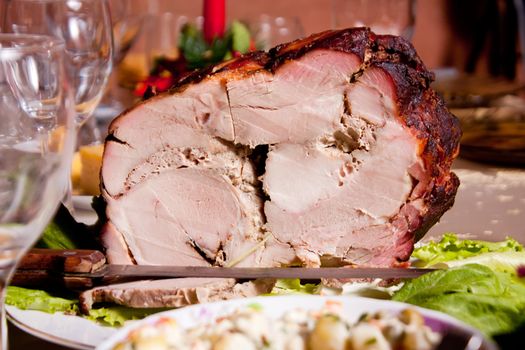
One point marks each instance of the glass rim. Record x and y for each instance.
(28, 43)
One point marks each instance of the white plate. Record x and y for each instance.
(71, 331)
(83, 211)
(82, 202)
(275, 307)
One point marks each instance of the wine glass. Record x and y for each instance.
(269, 31)
(37, 138)
(382, 16)
(128, 22)
(85, 27)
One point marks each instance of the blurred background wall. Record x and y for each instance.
(436, 28)
(473, 36)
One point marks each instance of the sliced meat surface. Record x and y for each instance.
(269, 108)
(332, 150)
(172, 292)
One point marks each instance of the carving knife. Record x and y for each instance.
(153, 271)
(87, 268)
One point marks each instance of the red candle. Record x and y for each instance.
(214, 19)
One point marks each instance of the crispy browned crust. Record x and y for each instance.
(355, 41)
(439, 132)
(424, 112)
(420, 109)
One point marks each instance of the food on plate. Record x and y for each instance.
(173, 292)
(85, 170)
(39, 300)
(330, 150)
(327, 151)
(250, 328)
(471, 293)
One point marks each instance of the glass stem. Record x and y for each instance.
(68, 197)
(89, 133)
(5, 276)
(3, 325)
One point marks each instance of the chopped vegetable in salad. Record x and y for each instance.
(250, 328)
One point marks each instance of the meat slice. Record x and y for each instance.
(330, 150)
(172, 292)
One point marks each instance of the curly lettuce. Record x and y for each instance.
(451, 251)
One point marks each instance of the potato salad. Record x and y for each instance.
(249, 328)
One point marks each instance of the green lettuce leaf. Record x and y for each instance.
(491, 301)
(293, 286)
(117, 315)
(39, 300)
(503, 262)
(451, 248)
(31, 299)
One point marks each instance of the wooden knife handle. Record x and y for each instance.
(63, 260)
(46, 278)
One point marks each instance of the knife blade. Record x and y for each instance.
(153, 271)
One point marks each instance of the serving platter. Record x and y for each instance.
(490, 205)
(66, 330)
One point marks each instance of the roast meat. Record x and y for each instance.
(330, 150)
